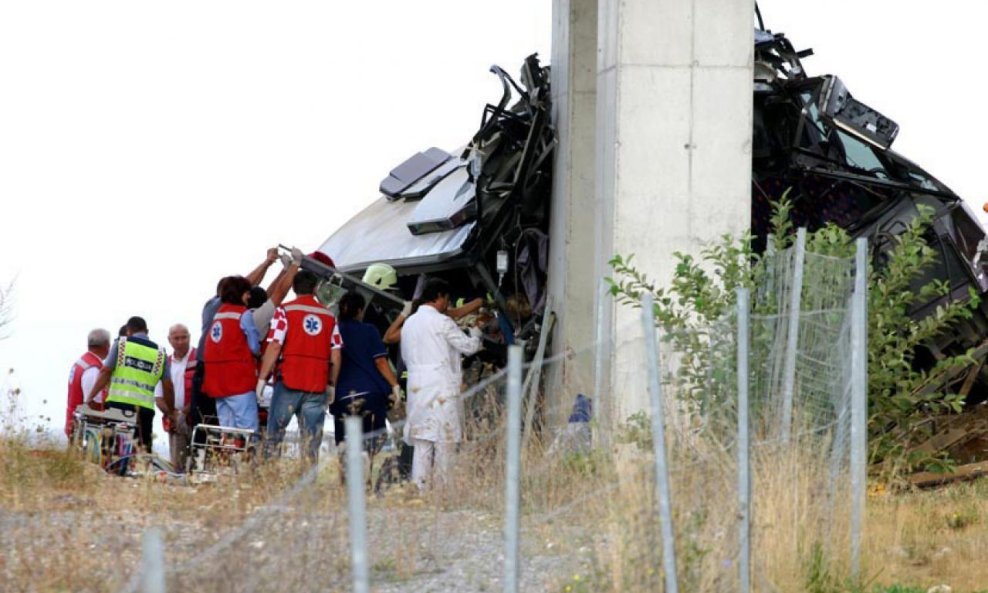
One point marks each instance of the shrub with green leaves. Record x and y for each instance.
(701, 293)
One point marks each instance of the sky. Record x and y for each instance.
(148, 149)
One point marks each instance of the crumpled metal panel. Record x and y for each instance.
(411, 170)
(429, 181)
(379, 234)
(446, 206)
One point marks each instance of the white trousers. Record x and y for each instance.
(431, 462)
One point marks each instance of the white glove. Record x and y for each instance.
(475, 332)
(286, 259)
(297, 256)
(407, 309)
(395, 395)
(259, 390)
(330, 393)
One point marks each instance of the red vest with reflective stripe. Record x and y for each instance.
(308, 343)
(76, 396)
(190, 370)
(230, 367)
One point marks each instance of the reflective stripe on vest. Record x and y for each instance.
(307, 309)
(139, 368)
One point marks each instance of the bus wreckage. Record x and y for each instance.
(479, 216)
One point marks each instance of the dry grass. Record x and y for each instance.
(930, 537)
(589, 524)
(72, 527)
(800, 530)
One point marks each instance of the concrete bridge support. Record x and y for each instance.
(670, 82)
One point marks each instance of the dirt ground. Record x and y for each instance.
(67, 526)
(257, 533)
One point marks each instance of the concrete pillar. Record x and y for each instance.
(673, 150)
(574, 80)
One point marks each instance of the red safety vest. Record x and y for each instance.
(76, 396)
(308, 343)
(230, 366)
(190, 370)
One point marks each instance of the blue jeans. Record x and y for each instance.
(308, 407)
(238, 411)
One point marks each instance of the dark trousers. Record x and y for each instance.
(202, 407)
(405, 460)
(145, 422)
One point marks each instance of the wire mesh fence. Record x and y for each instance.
(737, 507)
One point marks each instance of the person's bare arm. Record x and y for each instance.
(466, 309)
(384, 367)
(166, 403)
(278, 289)
(393, 333)
(335, 359)
(102, 380)
(257, 274)
(270, 356)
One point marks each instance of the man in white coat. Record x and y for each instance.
(431, 346)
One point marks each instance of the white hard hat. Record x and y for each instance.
(381, 276)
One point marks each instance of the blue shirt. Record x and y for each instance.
(362, 346)
(208, 312)
(251, 331)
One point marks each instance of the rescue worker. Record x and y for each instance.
(383, 277)
(431, 346)
(83, 374)
(232, 365)
(367, 385)
(203, 410)
(132, 369)
(306, 343)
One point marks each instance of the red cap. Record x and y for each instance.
(322, 258)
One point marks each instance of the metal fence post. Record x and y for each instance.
(744, 458)
(792, 339)
(859, 401)
(511, 497)
(602, 403)
(659, 444)
(838, 449)
(357, 504)
(152, 562)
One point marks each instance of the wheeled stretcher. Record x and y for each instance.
(215, 448)
(107, 437)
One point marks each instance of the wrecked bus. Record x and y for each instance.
(479, 216)
(833, 154)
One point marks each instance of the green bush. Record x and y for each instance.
(701, 292)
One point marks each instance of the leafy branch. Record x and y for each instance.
(901, 395)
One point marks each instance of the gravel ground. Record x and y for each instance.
(468, 555)
(300, 545)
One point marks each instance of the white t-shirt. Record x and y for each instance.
(177, 367)
(88, 380)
